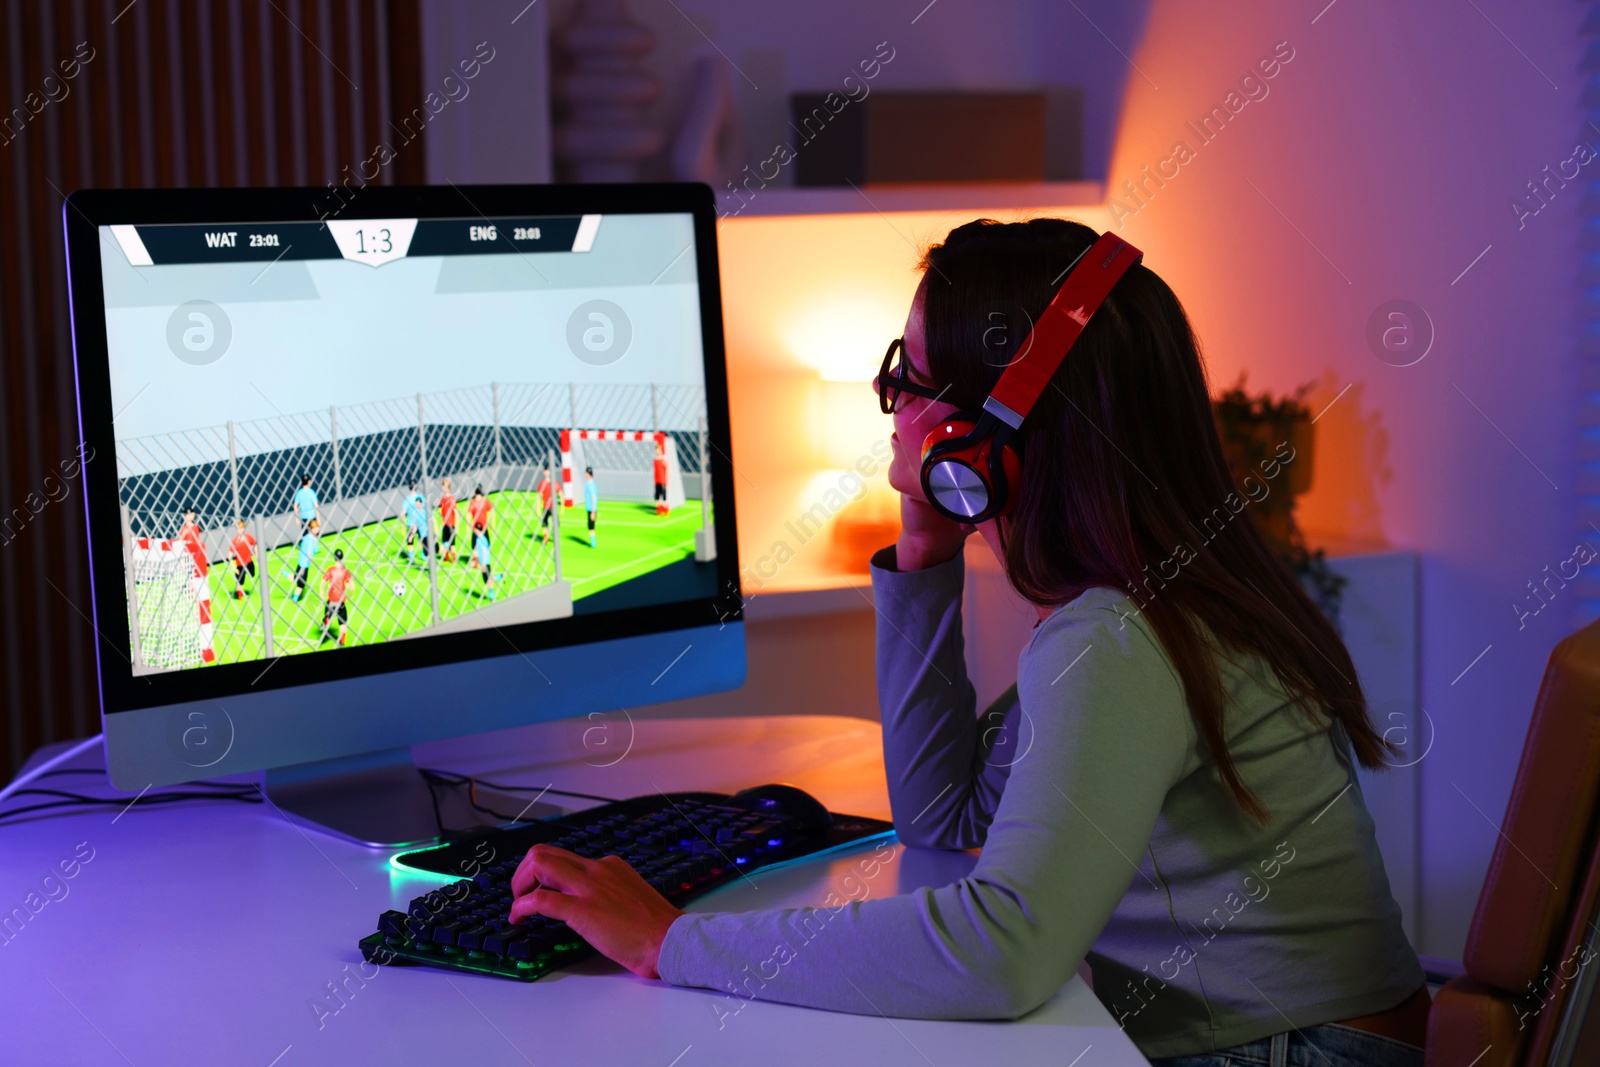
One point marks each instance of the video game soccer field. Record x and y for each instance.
(389, 594)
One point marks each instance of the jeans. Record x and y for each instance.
(1330, 1045)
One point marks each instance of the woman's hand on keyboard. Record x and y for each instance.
(605, 901)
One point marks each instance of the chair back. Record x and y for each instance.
(1527, 949)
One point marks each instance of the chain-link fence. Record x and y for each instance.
(397, 489)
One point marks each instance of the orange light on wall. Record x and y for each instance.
(840, 335)
(842, 338)
(810, 304)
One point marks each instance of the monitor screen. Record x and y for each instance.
(368, 443)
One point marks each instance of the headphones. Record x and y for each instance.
(969, 462)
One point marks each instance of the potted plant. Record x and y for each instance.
(1252, 428)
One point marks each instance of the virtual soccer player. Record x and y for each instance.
(189, 534)
(416, 509)
(660, 471)
(547, 497)
(591, 500)
(310, 545)
(338, 580)
(306, 504)
(480, 550)
(242, 549)
(479, 509)
(449, 516)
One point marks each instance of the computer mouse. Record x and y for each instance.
(791, 799)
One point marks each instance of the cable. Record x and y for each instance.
(436, 777)
(536, 789)
(77, 800)
(452, 778)
(39, 807)
(433, 798)
(249, 794)
(50, 764)
(239, 791)
(50, 768)
(433, 778)
(472, 798)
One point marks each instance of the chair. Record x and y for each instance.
(1529, 973)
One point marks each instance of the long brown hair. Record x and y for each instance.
(1124, 482)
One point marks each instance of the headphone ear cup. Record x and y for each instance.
(955, 470)
(1011, 467)
(950, 431)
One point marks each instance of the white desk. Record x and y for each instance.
(204, 933)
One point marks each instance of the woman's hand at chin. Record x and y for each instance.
(927, 538)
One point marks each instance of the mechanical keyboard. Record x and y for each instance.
(683, 844)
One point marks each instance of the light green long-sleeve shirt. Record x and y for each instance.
(1106, 833)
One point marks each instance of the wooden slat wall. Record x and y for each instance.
(165, 93)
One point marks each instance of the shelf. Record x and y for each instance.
(849, 592)
(869, 199)
(823, 591)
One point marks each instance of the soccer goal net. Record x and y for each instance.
(172, 601)
(624, 465)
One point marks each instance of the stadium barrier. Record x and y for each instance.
(362, 460)
(238, 469)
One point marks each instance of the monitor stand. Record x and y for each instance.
(377, 799)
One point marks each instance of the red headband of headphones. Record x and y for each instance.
(1059, 327)
(969, 465)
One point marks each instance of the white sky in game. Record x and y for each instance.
(310, 333)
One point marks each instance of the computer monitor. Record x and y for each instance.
(343, 452)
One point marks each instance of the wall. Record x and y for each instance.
(106, 95)
(498, 128)
(999, 44)
(1380, 167)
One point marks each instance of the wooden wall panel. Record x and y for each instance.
(161, 93)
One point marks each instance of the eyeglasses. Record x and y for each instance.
(894, 378)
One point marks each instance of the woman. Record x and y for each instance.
(1186, 815)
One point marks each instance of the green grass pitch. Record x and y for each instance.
(631, 540)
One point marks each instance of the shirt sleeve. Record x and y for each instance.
(946, 767)
(1110, 739)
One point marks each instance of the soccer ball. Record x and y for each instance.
(399, 588)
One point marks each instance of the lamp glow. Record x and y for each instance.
(843, 338)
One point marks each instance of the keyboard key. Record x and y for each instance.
(445, 933)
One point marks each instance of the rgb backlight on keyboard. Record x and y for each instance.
(684, 845)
